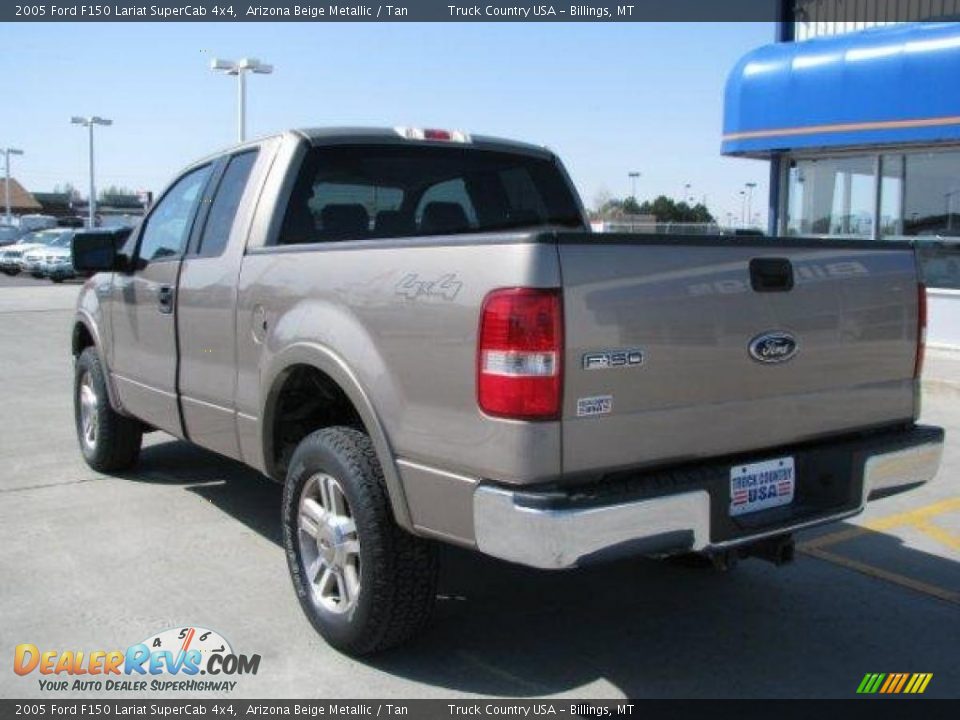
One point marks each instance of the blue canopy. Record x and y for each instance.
(884, 86)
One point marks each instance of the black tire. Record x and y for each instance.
(56, 279)
(397, 571)
(116, 439)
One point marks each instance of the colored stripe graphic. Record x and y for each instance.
(903, 681)
(844, 127)
(894, 683)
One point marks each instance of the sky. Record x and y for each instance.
(609, 98)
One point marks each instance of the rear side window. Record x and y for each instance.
(223, 210)
(391, 191)
(168, 226)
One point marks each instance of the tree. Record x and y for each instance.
(115, 191)
(667, 210)
(617, 208)
(67, 189)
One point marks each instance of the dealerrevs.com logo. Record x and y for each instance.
(170, 661)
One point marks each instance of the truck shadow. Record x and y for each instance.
(640, 628)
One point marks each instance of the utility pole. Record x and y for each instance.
(89, 122)
(7, 152)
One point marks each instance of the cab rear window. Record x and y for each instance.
(390, 191)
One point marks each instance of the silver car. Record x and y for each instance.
(57, 264)
(28, 254)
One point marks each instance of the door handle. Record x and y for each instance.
(165, 299)
(771, 275)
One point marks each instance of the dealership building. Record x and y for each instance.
(860, 120)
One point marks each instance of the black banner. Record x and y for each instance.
(397, 11)
(459, 709)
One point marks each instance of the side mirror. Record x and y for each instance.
(97, 252)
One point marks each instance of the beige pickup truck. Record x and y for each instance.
(416, 333)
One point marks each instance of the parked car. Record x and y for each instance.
(118, 222)
(29, 223)
(56, 260)
(13, 258)
(58, 265)
(9, 234)
(416, 334)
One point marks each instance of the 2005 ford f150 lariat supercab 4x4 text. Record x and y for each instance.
(416, 333)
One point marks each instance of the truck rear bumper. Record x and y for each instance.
(687, 509)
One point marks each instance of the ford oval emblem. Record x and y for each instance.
(773, 347)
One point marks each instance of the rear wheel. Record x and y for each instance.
(364, 583)
(109, 441)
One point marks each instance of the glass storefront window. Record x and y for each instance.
(831, 196)
(919, 200)
(932, 197)
(924, 203)
(891, 195)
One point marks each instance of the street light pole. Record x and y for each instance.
(7, 152)
(750, 186)
(89, 122)
(240, 69)
(633, 175)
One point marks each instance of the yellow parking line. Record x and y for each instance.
(912, 518)
(944, 537)
(875, 572)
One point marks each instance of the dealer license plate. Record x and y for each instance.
(762, 485)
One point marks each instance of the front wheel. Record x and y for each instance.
(364, 583)
(109, 441)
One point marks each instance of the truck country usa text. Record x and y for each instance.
(537, 11)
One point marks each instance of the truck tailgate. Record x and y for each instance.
(659, 330)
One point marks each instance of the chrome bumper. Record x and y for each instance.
(508, 526)
(885, 473)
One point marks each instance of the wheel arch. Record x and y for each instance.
(332, 368)
(85, 334)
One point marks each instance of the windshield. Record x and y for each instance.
(392, 191)
(45, 237)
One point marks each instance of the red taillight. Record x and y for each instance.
(457, 136)
(519, 351)
(921, 329)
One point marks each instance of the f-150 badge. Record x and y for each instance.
(611, 359)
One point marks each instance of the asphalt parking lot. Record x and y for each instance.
(95, 562)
